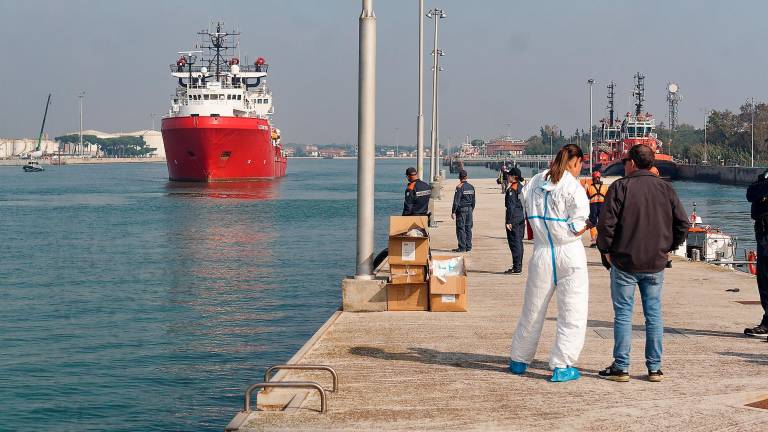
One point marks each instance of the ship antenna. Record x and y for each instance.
(639, 93)
(611, 94)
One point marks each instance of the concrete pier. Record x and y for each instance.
(448, 371)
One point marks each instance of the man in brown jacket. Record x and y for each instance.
(642, 220)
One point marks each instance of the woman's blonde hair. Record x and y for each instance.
(559, 166)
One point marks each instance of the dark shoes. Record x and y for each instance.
(513, 271)
(614, 374)
(458, 250)
(758, 331)
(655, 376)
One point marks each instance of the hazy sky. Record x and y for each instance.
(507, 62)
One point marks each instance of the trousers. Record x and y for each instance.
(464, 228)
(762, 272)
(515, 241)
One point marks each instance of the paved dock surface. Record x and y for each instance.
(448, 371)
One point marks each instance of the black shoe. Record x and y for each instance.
(468, 250)
(757, 331)
(458, 250)
(614, 374)
(513, 271)
(509, 271)
(669, 263)
(593, 245)
(655, 376)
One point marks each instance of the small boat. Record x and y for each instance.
(33, 166)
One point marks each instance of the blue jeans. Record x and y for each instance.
(623, 296)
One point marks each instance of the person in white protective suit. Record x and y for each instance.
(558, 211)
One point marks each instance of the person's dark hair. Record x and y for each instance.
(559, 166)
(642, 155)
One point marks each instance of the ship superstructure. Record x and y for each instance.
(219, 126)
(637, 128)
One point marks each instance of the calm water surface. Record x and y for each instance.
(131, 303)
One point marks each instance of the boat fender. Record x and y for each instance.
(752, 258)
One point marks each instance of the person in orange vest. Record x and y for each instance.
(596, 194)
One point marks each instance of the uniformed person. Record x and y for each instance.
(416, 195)
(757, 194)
(596, 194)
(514, 221)
(463, 206)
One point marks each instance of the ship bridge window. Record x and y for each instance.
(206, 97)
(229, 97)
(221, 97)
(239, 97)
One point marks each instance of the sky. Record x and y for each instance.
(510, 66)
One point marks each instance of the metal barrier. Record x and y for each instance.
(269, 371)
(285, 384)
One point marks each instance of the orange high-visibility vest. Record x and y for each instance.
(595, 195)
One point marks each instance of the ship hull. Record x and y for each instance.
(216, 148)
(667, 168)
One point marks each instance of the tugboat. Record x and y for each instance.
(219, 126)
(609, 135)
(639, 128)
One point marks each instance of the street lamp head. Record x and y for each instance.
(439, 13)
(590, 81)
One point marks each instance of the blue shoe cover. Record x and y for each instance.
(565, 374)
(517, 368)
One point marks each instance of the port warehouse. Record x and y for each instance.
(12, 148)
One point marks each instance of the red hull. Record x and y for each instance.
(206, 149)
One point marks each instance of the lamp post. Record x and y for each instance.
(420, 116)
(752, 162)
(366, 138)
(81, 96)
(591, 82)
(706, 119)
(436, 15)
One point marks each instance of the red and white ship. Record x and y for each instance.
(640, 128)
(219, 126)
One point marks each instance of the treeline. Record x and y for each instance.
(728, 138)
(125, 146)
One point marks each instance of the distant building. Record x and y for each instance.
(505, 146)
(152, 138)
(12, 148)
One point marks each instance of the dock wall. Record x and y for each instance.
(718, 174)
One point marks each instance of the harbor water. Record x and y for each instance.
(131, 303)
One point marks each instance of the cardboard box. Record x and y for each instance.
(448, 293)
(408, 297)
(406, 250)
(404, 274)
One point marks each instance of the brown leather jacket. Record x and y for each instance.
(641, 221)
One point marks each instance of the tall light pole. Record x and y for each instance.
(366, 138)
(436, 15)
(420, 116)
(706, 119)
(591, 82)
(397, 142)
(752, 163)
(80, 98)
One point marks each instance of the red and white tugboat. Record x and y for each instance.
(639, 128)
(219, 126)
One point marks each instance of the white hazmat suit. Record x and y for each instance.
(556, 212)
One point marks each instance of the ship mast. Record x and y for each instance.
(639, 93)
(218, 47)
(611, 106)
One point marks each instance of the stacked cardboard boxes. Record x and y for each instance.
(408, 289)
(448, 284)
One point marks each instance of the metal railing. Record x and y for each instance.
(223, 70)
(268, 373)
(289, 384)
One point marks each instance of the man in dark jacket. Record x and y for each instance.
(514, 221)
(641, 221)
(757, 194)
(463, 206)
(417, 195)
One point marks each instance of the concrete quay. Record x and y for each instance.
(448, 371)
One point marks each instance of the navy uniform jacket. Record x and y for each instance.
(514, 206)
(464, 197)
(417, 199)
(757, 194)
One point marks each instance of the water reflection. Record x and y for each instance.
(257, 190)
